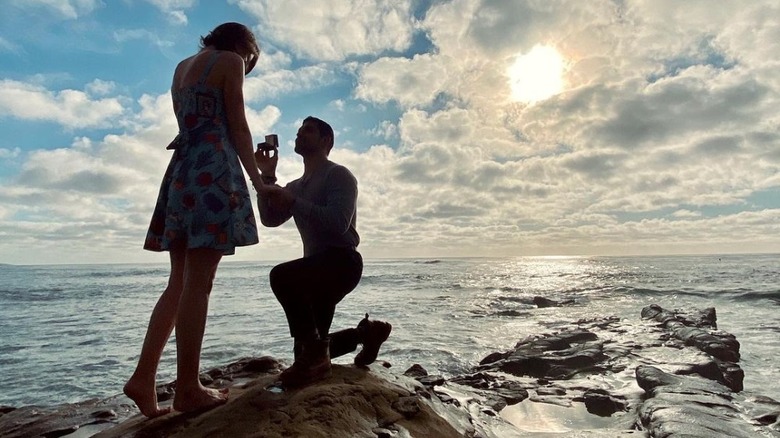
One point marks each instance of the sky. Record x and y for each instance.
(474, 127)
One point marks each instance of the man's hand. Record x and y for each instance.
(277, 197)
(266, 158)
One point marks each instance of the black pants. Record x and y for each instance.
(309, 290)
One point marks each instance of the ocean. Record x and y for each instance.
(74, 332)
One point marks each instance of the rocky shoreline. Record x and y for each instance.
(677, 375)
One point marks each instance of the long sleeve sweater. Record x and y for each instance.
(325, 209)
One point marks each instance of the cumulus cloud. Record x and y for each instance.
(9, 153)
(334, 29)
(70, 9)
(663, 138)
(659, 113)
(100, 88)
(70, 108)
(410, 82)
(273, 84)
(7, 46)
(124, 35)
(174, 9)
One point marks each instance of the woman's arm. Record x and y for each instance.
(238, 127)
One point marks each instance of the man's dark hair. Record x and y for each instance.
(324, 129)
(231, 36)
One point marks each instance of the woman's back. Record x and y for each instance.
(198, 97)
(204, 200)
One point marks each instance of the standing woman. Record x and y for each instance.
(203, 210)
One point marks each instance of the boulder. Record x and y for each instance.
(352, 402)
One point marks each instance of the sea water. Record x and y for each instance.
(74, 332)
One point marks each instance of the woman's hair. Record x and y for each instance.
(232, 37)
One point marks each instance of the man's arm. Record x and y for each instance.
(337, 213)
(273, 214)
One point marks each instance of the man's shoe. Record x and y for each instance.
(311, 364)
(372, 335)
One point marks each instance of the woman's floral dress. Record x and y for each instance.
(203, 200)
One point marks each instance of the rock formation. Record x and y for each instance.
(668, 374)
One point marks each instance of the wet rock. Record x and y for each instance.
(550, 390)
(351, 402)
(416, 370)
(679, 406)
(57, 421)
(497, 391)
(381, 432)
(726, 373)
(496, 404)
(476, 380)
(542, 302)
(105, 413)
(409, 407)
(61, 420)
(430, 381)
(493, 357)
(598, 348)
(602, 403)
(705, 318)
(511, 396)
(555, 356)
(722, 346)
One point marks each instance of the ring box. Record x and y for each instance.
(270, 144)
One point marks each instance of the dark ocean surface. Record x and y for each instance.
(73, 332)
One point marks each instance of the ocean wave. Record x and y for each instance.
(7, 349)
(45, 294)
(754, 295)
(503, 289)
(120, 273)
(515, 299)
(647, 292)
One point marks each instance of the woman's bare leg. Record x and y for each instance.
(200, 269)
(141, 387)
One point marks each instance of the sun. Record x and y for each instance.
(536, 75)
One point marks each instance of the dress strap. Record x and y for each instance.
(207, 70)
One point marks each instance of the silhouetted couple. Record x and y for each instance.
(204, 211)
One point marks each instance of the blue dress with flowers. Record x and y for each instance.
(203, 201)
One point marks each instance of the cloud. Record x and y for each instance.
(70, 9)
(97, 192)
(410, 82)
(69, 108)
(277, 83)
(8, 46)
(664, 138)
(333, 30)
(124, 35)
(100, 88)
(261, 122)
(653, 119)
(6, 153)
(175, 9)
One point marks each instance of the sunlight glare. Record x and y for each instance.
(536, 75)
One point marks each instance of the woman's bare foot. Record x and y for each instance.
(199, 399)
(145, 397)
